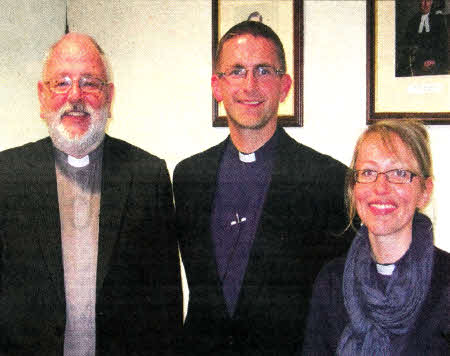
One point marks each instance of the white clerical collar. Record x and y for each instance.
(78, 162)
(247, 158)
(424, 21)
(385, 270)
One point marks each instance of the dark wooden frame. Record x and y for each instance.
(295, 120)
(371, 115)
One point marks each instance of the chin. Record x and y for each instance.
(255, 124)
(80, 145)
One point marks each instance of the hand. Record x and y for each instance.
(429, 64)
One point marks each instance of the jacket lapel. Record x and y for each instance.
(202, 244)
(43, 195)
(116, 180)
(207, 200)
(269, 229)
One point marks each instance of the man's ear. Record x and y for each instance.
(215, 86)
(286, 82)
(109, 93)
(42, 97)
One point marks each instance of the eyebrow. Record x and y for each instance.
(67, 74)
(259, 65)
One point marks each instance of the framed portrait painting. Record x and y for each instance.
(285, 17)
(408, 69)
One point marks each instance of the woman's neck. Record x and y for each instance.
(390, 248)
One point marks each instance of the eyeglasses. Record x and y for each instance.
(397, 176)
(260, 73)
(86, 84)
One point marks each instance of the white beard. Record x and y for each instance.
(78, 146)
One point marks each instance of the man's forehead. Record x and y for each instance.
(73, 49)
(74, 54)
(75, 44)
(247, 49)
(246, 40)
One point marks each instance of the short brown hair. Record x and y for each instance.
(256, 29)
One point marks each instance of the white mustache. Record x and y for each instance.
(76, 109)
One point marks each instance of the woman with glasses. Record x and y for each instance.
(390, 294)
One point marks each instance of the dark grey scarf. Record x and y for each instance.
(374, 314)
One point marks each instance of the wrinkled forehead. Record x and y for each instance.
(74, 56)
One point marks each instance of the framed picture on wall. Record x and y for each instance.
(408, 72)
(285, 17)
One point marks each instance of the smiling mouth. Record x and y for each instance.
(250, 102)
(75, 113)
(382, 208)
(76, 123)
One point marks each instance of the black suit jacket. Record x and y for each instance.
(425, 46)
(138, 289)
(304, 204)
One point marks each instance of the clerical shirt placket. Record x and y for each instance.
(242, 187)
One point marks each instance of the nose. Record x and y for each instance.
(250, 81)
(382, 184)
(74, 92)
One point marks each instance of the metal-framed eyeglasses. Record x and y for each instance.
(260, 73)
(86, 84)
(396, 176)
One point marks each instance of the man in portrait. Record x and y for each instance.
(89, 264)
(423, 48)
(258, 214)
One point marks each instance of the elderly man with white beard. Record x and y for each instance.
(89, 262)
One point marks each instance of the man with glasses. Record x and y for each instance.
(255, 214)
(89, 265)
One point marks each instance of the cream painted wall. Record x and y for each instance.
(161, 57)
(27, 29)
(161, 60)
